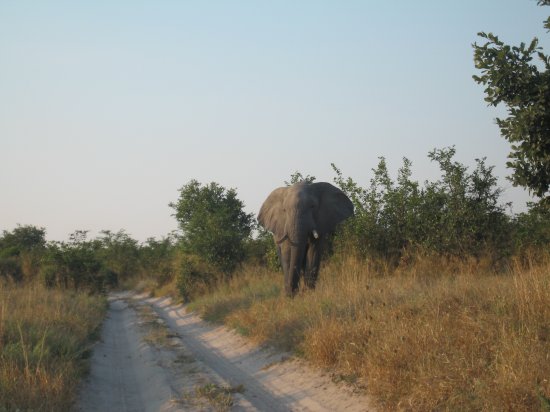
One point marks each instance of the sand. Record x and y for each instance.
(129, 374)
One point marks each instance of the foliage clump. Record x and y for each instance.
(458, 215)
(213, 224)
(194, 277)
(512, 78)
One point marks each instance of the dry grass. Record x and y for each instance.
(157, 332)
(219, 397)
(44, 343)
(432, 336)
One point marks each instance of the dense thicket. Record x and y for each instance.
(80, 263)
(459, 214)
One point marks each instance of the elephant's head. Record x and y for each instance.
(300, 216)
(304, 209)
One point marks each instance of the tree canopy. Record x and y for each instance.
(513, 77)
(22, 239)
(213, 223)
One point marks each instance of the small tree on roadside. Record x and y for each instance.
(213, 224)
(511, 77)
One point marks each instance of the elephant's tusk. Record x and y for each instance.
(315, 234)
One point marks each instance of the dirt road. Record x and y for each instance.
(154, 356)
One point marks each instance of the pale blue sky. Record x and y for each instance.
(108, 107)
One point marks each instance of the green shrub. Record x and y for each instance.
(194, 277)
(155, 259)
(213, 224)
(458, 215)
(118, 252)
(10, 268)
(48, 276)
(532, 228)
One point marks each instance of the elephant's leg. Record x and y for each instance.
(313, 260)
(285, 256)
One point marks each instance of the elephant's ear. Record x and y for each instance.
(334, 206)
(271, 215)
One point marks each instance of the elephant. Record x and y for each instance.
(301, 217)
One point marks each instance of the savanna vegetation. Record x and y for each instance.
(45, 342)
(434, 296)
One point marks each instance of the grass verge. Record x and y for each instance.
(45, 337)
(429, 337)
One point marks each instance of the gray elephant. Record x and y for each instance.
(301, 217)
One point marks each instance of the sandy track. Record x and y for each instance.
(128, 374)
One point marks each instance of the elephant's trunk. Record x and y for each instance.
(282, 239)
(285, 237)
(314, 233)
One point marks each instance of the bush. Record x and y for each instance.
(213, 224)
(74, 264)
(108, 278)
(194, 277)
(20, 252)
(22, 239)
(262, 250)
(458, 215)
(532, 228)
(118, 252)
(10, 269)
(48, 276)
(155, 259)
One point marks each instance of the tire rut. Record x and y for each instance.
(196, 362)
(260, 398)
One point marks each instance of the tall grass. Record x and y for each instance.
(44, 342)
(431, 336)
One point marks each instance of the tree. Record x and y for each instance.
(75, 263)
(21, 251)
(156, 258)
(511, 77)
(213, 224)
(22, 239)
(119, 253)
